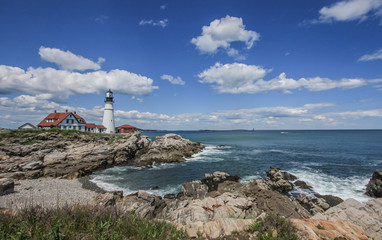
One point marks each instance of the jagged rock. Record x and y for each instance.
(313, 205)
(80, 154)
(109, 198)
(195, 189)
(314, 229)
(212, 180)
(168, 148)
(330, 199)
(303, 185)
(368, 216)
(374, 187)
(6, 186)
(279, 180)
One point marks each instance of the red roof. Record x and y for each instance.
(58, 117)
(90, 125)
(101, 127)
(125, 126)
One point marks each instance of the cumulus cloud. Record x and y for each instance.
(377, 55)
(238, 78)
(221, 33)
(171, 79)
(349, 10)
(156, 23)
(62, 83)
(67, 60)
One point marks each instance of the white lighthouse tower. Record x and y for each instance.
(108, 113)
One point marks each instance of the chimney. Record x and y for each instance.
(55, 111)
(66, 110)
(75, 113)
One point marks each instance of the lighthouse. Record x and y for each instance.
(108, 113)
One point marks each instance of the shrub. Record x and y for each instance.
(81, 222)
(273, 228)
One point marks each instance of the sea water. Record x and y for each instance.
(336, 162)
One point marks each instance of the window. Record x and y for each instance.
(79, 128)
(67, 120)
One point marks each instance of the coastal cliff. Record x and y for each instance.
(72, 154)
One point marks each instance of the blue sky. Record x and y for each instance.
(190, 65)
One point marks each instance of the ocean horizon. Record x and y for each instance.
(337, 162)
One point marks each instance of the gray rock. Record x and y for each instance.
(79, 154)
(195, 189)
(368, 216)
(6, 186)
(374, 187)
(279, 180)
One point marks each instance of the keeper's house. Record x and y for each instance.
(69, 121)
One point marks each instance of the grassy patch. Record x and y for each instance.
(30, 142)
(273, 228)
(117, 137)
(83, 223)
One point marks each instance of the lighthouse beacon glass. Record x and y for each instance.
(108, 113)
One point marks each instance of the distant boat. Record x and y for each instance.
(284, 132)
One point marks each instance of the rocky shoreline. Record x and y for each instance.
(38, 166)
(59, 154)
(219, 204)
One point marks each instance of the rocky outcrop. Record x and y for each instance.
(315, 229)
(374, 187)
(214, 206)
(168, 148)
(6, 186)
(28, 155)
(280, 180)
(368, 216)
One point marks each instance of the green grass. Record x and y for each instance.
(83, 223)
(273, 228)
(30, 142)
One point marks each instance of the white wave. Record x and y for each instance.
(210, 153)
(350, 187)
(110, 187)
(167, 190)
(160, 166)
(249, 178)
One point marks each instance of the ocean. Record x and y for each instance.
(336, 162)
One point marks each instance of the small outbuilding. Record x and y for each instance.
(126, 129)
(27, 126)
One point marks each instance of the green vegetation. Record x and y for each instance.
(83, 223)
(30, 133)
(30, 142)
(273, 228)
(117, 137)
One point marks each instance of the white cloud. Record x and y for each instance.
(238, 78)
(318, 105)
(171, 79)
(359, 113)
(348, 10)
(101, 19)
(233, 78)
(221, 33)
(377, 55)
(62, 83)
(156, 23)
(134, 114)
(163, 7)
(67, 60)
